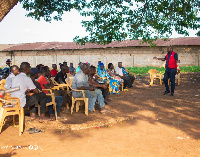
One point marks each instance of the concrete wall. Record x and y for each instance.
(130, 56)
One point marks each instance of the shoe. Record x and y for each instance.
(166, 92)
(108, 100)
(172, 94)
(90, 112)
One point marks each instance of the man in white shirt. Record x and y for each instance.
(14, 72)
(26, 86)
(121, 72)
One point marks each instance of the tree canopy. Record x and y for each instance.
(117, 20)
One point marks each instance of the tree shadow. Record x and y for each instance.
(144, 103)
(10, 154)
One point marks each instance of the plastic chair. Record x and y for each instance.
(60, 87)
(155, 74)
(3, 82)
(53, 102)
(77, 100)
(13, 110)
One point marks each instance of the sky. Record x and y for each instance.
(16, 28)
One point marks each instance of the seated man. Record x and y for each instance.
(72, 69)
(64, 63)
(80, 82)
(40, 97)
(28, 88)
(61, 76)
(14, 72)
(45, 84)
(121, 72)
(93, 81)
(54, 70)
(60, 79)
(101, 71)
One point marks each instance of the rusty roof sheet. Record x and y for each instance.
(114, 44)
(5, 46)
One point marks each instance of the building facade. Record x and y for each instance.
(130, 54)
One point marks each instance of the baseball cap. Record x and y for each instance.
(35, 71)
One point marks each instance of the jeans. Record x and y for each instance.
(170, 74)
(58, 100)
(63, 93)
(93, 96)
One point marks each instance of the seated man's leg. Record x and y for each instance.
(132, 78)
(49, 99)
(63, 93)
(105, 93)
(36, 98)
(126, 81)
(92, 99)
(100, 98)
(42, 102)
(59, 101)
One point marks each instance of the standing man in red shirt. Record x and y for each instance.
(54, 70)
(171, 68)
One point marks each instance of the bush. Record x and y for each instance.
(144, 70)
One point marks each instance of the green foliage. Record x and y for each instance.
(190, 69)
(117, 20)
(144, 70)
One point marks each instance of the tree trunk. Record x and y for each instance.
(6, 6)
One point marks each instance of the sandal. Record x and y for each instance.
(36, 131)
(30, 130)
(60, 117)
(52, 118)
(106, 111)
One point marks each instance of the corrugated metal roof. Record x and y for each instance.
(5, 46)
(114, 44)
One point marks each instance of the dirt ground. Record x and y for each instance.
(144, 123)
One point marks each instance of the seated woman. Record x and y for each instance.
(114, 80)
(111, 73)
(101, 71)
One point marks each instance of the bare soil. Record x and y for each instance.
(144, 123)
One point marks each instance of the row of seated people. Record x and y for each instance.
(54, 70)
(32, 88)
(118, 75)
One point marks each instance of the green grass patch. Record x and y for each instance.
(144, 70)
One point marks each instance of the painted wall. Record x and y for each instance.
(130, 56)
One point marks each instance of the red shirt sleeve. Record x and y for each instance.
(54, 72)
(42, 80)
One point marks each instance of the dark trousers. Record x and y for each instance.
(63, 93)
(58, 100)
(40, 98)
(105, 92)
(170, 74)
(128, 80)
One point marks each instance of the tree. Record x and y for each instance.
(6, 6)
(117, 20)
